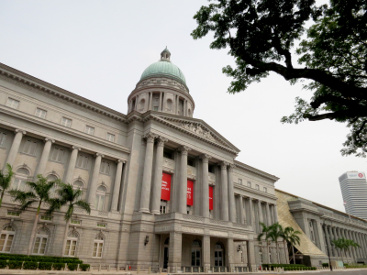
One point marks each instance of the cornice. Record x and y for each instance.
(27, 80)
(254, 170)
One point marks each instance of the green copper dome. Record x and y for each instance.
(164, 67)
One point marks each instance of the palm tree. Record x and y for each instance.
(265, 232)
(72, 198)
(38, 194)
(5, 180)
(276, 232)
(291, 237)
(344, 244)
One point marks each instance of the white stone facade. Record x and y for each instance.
(118, 160)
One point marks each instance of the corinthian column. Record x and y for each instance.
(70, 171)
(157, 183)
(147, 174)
(205, 186)
(224, 193)
(116, 186)
(14, 147)
(182, 191)
(232, 206)
(93, 185)
(44, 157)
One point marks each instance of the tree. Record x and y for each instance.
(276, 232)
(38, 194)
(344, 245)
(71, 198)
(5, 180)
(265, 234)
(291, 237)
(263, 36)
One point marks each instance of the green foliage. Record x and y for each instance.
(70, 197)
(58, 266)
(45, 266)
(84, 267)
(262, 36)
(32, 258)
(287, 267)
(72, 267)
(30, 265)
(3, 263)
(15, 264)
(325, 264)
(5, 180)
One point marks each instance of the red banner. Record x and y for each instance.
(166, 186)
(190, 192)
(211, 189)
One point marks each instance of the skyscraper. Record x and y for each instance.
(354, 191)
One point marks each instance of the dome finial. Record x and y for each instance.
(166, 55)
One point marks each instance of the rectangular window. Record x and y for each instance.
(40, 245)
(98, 248)
(57, 154)
(249, 184)
(83, 161)
(70, 247)
(105, 167)
(2, 138)
(6, 240)
(89, 130)
(257, 187)
(13, 213)
(66, 122)
(12, 103)
(30, 147)
(240, 181)
(265, 190)
(110, 137)
(41, 113)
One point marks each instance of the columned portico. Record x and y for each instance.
(94, 180)
(205, 186)
(71, 165)
(14, 147)
(183, 180)
(116, 186)
(44, 157)
(224, 191)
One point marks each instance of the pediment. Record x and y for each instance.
(197, 128)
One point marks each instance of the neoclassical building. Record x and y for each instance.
(165, 188)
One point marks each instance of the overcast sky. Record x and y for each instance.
(99, 49)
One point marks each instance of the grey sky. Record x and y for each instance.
(98, 49)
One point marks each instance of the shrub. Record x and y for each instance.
(72, 266)
(84, 267)
(45, 266)
(3, 263)
(30, 265)
(15, 264)
(58, 266)
(325, 264)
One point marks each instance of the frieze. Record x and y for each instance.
(218, 233)
(192, 230)
(166, 228)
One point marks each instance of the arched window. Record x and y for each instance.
(218, 255)
(21, 177)
(98, 246)
(196, 253)
(141, 104)
(6, 239)
(169, 104)
(100, 198)
(41, 241)
(78, 184)
(71, 243)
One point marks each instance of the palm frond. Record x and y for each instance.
(84, 205)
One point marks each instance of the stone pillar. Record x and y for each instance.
(261, 217)
(321, 237)
(175, 251)
(224, 192)
(230, 254)
(147, 174)
(71, 165)
(232, 206)
(44, 157)
(205, 188)
(268, 213)
(160, 107)
(94, 180)
(206, 253)
(116, 186)
(182, 192)
(157, 183)
(252, 214)
(14, 147)
(241, 209)
(251, 255)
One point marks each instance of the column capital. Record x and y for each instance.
(99, 155)
(121, 160)
(231, 166)
(20, 131)
(223, 165)
(184, 149)
(205, 157)
(161, 141)
(76, 148)
(150, 137)
(49, 139)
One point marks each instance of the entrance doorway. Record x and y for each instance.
(196, 253)
(165, 253)
(218, 255)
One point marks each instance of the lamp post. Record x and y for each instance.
(327, 246)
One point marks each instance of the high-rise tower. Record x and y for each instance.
(354, 191)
